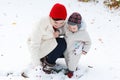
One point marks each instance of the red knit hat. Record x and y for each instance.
(58, 11)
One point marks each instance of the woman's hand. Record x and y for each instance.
(56, 34)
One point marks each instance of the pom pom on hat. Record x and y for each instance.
(58, 11)
(75, 19)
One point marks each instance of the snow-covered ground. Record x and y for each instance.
(17, 18)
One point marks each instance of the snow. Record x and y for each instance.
(17, 18)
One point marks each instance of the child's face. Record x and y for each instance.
(57, 24)
(73, 28)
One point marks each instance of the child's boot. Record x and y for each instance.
(69, 73)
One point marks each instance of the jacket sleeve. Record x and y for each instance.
(35, 40)
(87, 42)
(48, 33)
(41, 32)
(85, 37)
(46, 29)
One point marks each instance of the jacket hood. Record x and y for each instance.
(83, 25)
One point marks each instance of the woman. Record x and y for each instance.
(45, 43)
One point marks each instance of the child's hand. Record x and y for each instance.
(84, 52)
(56, 34)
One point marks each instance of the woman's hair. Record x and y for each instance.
(57, 19)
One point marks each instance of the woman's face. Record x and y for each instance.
(58, 23)
(73, 28)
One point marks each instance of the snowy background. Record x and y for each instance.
(17, 18)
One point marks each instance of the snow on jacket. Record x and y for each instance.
(79, 36)
(42, 41)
